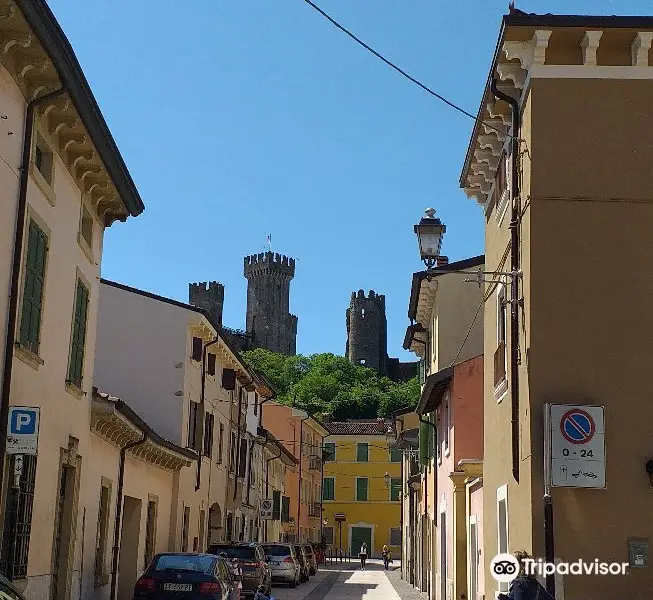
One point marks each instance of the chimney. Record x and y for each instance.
(441, 261)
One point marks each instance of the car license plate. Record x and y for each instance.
(178, 587)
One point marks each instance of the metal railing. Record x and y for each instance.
(315, 509)
(337, 555)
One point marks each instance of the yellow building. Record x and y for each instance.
(361, 488)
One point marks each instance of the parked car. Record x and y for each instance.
(284, 563)
(7, 590)
(312, 559)
(252, 561)
(303, 563)
(169, 573)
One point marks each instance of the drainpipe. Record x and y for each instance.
(12, 312)
(514, 268)
(299, 479)
(267, 485)
(200, 451)
(237, 465)
(119, 499)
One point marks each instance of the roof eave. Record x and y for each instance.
(45, 26)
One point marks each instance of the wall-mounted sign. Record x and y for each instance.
(266, 510)
(339, 517)
(23, 432)
(575, 448)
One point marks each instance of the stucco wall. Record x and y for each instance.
(476, 510)
(140, 342)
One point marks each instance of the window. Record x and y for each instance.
(192, 425)
(150, 532)
(395, 536)
(76, 364)
(395, 489)
(210, 364)
(447, 422)
(327, 533)
(184, 531)
(502, 526)
(255, 404)
(328, 488)
(276, 505)
(208, 435)
(500, 383)
(233, 450)
(43, 160)
(395, 455)
(30, 321)
(362, 484)
(242, 459)
(86, 227)
(197, 349)
(473, 557)
(443, 555)
(101, 536)
(362, 452)
(329, 452)
(220, 443)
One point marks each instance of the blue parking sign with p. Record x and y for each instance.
(23, 422)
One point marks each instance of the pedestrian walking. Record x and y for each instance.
(261, 595)
(525, 586)
(363, 555)
(236, 573)
(387, 556)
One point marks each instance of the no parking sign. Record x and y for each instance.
(576, 446)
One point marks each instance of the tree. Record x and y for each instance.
(329, 384)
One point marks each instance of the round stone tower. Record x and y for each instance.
(367, 331)
(269, 322)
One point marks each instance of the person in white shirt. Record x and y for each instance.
(363, 555)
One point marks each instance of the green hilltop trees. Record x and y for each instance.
(329, 384)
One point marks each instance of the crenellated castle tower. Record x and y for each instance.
(367, 331)
(210, 297)
(269, 322)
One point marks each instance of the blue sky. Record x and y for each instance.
(239, 118)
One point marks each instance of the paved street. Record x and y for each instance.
(348, 582)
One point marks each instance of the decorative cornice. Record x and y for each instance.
(532, 52)
(487, 156)
(590, 44)
(513, 72)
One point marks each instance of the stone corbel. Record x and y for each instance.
(480, 182)
(491, 142)
(59, 121)
(60, 104)
(590, 45)
(484, 170)
(83, 171)
(491, 109)
(71, 139)
(495, 127)
(640, 49)
(25, 64)
(532, 52)
(76, 158)
(40, 88)
(475, 193)
(514, 72)
(12, 39)
(485, 156)
(96, 185)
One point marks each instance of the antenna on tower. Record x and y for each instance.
(268, 242)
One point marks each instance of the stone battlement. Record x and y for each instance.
(360, 299)
(266, 262)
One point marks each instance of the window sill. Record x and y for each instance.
(43, 185)
(28, 357)
(75, 391)
(85, 248)
(501, 390)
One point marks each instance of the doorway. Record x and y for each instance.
(358, 536)
(443, 556)
(473, 559)
(130, 534)
(64, 532)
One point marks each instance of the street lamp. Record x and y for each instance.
(430, 231)
(386, 479)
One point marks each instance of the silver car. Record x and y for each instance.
(283, 563)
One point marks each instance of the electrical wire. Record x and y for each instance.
(400, 70)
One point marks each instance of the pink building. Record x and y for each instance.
(452, 401)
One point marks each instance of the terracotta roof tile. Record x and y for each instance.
(359, 427)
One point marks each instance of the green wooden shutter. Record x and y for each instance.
(76, 366)
(395, 455)
(30, 323)
(362, 453)
(328, 488)
(395, 488)
(276, 505)
(361, 488)
(285, 509)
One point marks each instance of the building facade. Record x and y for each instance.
(63, 183)
(561, 169)
(303, 436)
(361, 488)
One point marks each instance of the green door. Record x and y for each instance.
(358, 536)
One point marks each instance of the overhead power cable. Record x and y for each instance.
(395, 67)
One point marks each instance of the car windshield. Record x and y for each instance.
(184, 562)
(241, 552)
(277, 550)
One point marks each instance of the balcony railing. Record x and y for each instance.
(315, 509)
(414, 466)
(500, 364)
(315, 463)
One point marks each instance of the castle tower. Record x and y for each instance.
(208, 296)
(367, 332)
(269, 322)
